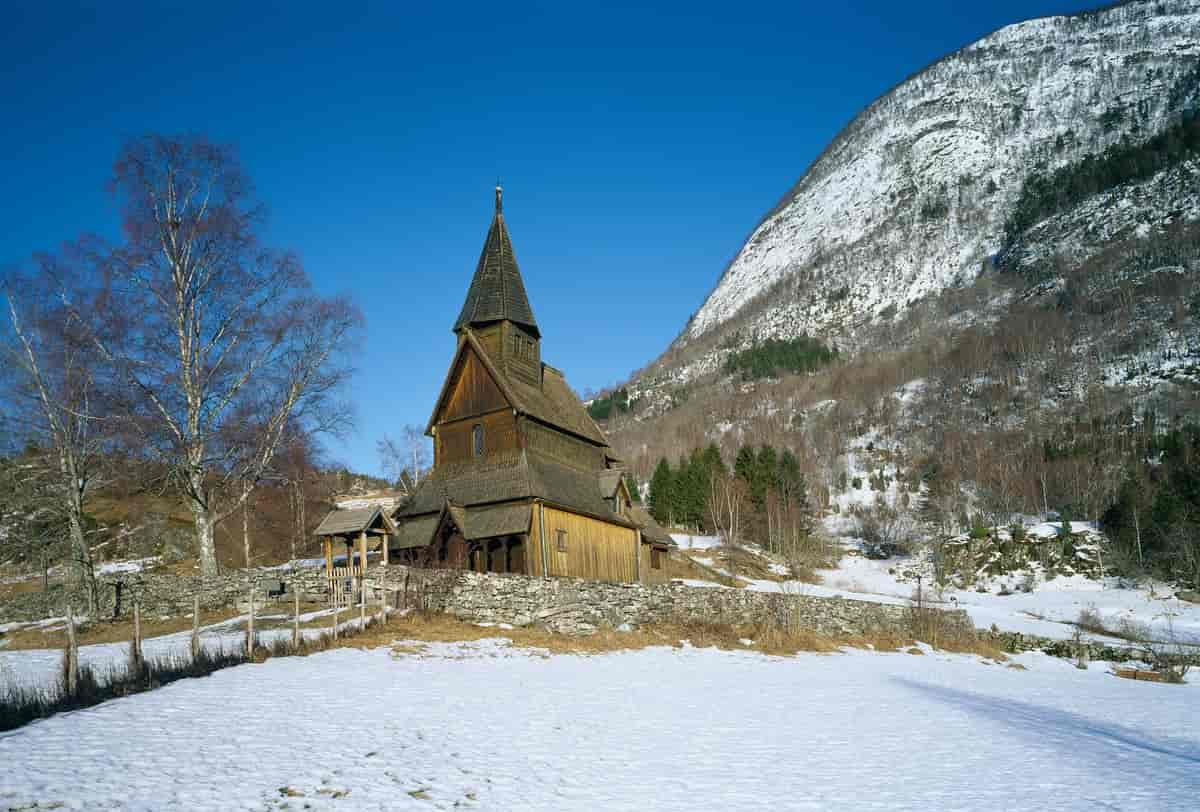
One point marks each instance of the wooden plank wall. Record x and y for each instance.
(533, 561)
(473, 391)
(455, 442)
(596, 550)
(562, 447)
(649, 574)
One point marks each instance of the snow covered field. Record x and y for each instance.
(486, 726)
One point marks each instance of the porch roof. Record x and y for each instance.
(350, 522)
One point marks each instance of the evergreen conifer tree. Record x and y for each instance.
(661, 488)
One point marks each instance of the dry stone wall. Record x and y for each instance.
(574, 606)
(563, 605)
(164, 593)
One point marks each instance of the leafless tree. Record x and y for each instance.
(727, 496)
(31, 511)
(404, 461)
(57, 401)
(221, 339)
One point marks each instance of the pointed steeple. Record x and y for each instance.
(497, 292)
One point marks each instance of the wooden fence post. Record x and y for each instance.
(72, 665)
(335, 619)
(195, 626)
(135, 645)
(362, 602)
(383, 607)
(295, 617)
(250, 627)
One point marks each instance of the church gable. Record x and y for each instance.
(471, 390)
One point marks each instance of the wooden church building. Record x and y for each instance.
(523, 479)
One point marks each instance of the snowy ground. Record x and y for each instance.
(485, 726)
(1049, 609)
(687, 541)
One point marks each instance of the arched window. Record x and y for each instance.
(477, 439)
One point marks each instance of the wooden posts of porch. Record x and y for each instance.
(362, 551)
(328, 557)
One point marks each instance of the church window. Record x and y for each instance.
(562, 541)
(477, 439)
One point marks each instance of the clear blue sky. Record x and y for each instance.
(637, 147)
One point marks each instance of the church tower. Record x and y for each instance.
(496, 308)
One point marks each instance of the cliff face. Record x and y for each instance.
(912, 197)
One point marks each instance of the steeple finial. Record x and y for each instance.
(499, 195)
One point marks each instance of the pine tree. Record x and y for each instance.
(698, 479)
(712, 459)
(766, 475)
(745, 464)
(661, 489)
(791, 483)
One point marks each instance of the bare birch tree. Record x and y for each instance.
(727, 496)
(404, 461)
(57, 404)
(221, 339)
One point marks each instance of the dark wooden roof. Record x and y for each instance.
(510, 477)
(349, 522)
(497, 291)
(553, 403)
(610, 479)
(652, 531)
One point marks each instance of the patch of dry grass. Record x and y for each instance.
(27, 585)
(404, 635)
(685, 564)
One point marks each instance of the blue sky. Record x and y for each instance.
(637, 147)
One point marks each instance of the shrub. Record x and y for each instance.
(1089, 620)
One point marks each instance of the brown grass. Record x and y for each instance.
(31, 584)
(404, 635)
(682, 564)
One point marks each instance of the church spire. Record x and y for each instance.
(497, 292)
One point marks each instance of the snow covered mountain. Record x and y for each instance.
(912, 197)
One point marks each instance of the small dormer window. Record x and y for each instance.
(477, 439)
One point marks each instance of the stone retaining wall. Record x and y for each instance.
(162, 593)
(564, 605)
(1015, 642)
(574, 606)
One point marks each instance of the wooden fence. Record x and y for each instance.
(344, 586)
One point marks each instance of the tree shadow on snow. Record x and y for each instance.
(1072, 733)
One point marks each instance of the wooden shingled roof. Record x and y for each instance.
(553, 403)
(497, 291)
(505, 478)
(350, 522)
(652, 531)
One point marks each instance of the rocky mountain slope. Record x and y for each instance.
(912, 197)
(1005, 250)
